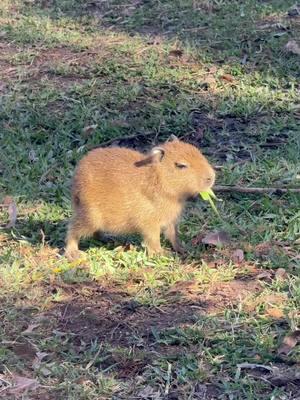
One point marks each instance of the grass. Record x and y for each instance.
(77, 74)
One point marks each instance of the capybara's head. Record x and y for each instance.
(182, 169)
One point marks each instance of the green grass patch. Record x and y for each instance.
(122, 325)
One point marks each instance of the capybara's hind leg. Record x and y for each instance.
(76, 229)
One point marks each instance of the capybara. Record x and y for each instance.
(120, 191)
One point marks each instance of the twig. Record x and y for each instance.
(94, 358)
(254, 366)
(242, 189)
(43, 237)
(65, 312)
(44, 175)
(122, 138)
(168, 383)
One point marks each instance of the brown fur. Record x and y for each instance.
(118, 190)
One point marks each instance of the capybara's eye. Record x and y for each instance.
(180, 165)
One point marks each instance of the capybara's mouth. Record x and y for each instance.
(193, 197)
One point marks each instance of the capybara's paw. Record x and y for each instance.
(74, 255)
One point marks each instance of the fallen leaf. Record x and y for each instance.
(278, 375)
(269, 301)
(12, 211)
(24, 350)
(294, 11)
(120, 123)
(23, 385)
(88, 130)
(213, 69)
(209, 81)
(218, 238)
(264, 275)
(283, 376)
(279, 34)
(238, 256)
(184, 287)
(126, 247)
(30, 329)
(292, 47)
(275, 313)
(32, 156)
(280, 273)
(2, 86)
(289, 342)
(197, 239)
(149, 393)
(199, 134)
(247, 365)
(176, 53)
(228, 78)
(263, 249)
(244, 59)
(45, 371)
(39, 357)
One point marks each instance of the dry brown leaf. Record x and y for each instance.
(263, 249)
(213, 69)
(294, 11)
(278, 375)
(184, 287)
(198, 239)
(280, 273)
(24, 350)
(88, 130)
(2, 85)
(199, 133)
(149, 393)
(23, 385)
(176, 53)
(228, 78)
(218, 238)
(275, 313)
(247, 365)
(12, 211)
(210, 81)
(270, 301)
(30, 329)
(274, 298)
(238, 256)
(292, 47)
(289, 342)
(38, 359)
(264, 275)
(283, 376)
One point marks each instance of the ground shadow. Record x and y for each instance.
(255, 40)
(132, 338)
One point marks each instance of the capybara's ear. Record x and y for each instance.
(173, 138)
(154, 157)
(157, 154)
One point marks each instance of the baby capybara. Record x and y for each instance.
(117, 190)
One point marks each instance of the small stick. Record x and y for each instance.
(168, 383)
(244, 189)
(94, 358)
(128, 137)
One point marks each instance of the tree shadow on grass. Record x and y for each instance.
(250, 34)
(106, 329)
